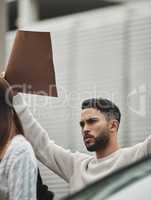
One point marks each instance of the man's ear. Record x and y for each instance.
(113, 125)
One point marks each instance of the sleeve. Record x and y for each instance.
(140, 150)
(146, 146)
(56, 158)
(22, 178)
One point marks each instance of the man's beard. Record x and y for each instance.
(101, 142)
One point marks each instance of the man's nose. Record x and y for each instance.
(86, 129)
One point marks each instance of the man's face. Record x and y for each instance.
(95, 129)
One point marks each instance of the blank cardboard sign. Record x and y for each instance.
(30, 67)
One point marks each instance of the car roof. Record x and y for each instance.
(115, 182)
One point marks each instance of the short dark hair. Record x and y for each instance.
(105, 106)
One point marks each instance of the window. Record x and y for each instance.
(55, 8)
(12, 13)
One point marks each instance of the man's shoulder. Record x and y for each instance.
(82, 156)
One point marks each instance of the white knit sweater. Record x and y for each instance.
(77, 169)
(18, 171)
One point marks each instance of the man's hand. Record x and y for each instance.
(2, 74)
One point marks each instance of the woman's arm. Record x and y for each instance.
(22, 177)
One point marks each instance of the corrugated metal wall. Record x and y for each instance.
(139, 40)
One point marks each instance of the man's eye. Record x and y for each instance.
(82, 124)
(91, 121)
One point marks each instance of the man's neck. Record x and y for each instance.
(106, 152)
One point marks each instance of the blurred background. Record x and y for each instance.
(100, 49)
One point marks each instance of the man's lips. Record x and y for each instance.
(87, 138)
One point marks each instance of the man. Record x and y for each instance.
(100, 119)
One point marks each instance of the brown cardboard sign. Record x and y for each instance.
(30, 68)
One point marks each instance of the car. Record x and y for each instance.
(129, 183)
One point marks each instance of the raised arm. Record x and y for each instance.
(53, 156)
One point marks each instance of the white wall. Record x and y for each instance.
(139, 100)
